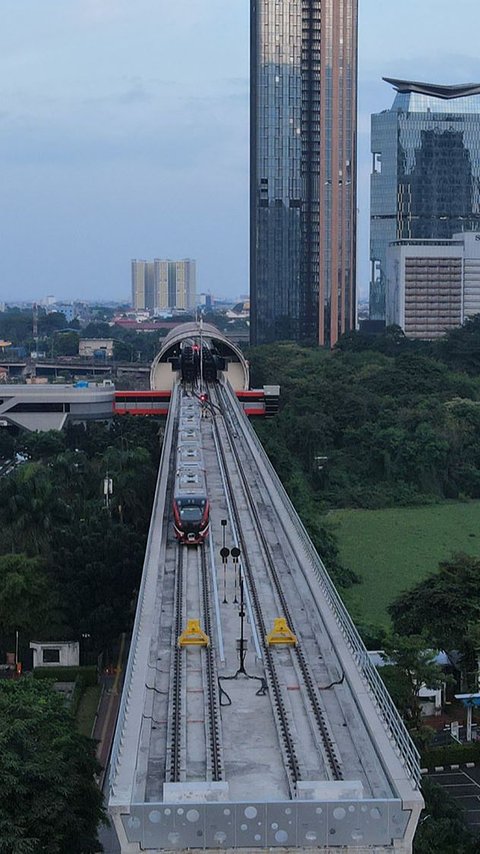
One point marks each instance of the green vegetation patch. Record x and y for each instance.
(450, 754)
(89, 675)
(393, 549)
(87, 709)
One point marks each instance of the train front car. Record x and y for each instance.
(191, 519)
(190, 502)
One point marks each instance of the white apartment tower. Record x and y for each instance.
(164, 285)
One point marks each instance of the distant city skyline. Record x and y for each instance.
(124, 133)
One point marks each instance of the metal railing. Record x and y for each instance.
(137, 626)
(396, 729)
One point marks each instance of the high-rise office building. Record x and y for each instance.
(425, 181)
(138, 284)
(303, 169)
(433, 285)
(161, 285)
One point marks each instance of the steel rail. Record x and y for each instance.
(395, 727)
(174, 768)
(292, 765)
(214, 747)
(139, 653)
(319, 715)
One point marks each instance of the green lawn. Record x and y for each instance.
(87, 708)
(393, 549)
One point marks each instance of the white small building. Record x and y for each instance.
(55, 653)
(89, 347)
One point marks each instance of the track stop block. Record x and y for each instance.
(281, 633)
(193, 635)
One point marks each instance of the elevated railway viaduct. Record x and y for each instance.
(251, 717)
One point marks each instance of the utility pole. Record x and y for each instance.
(201, 353)
(35, 325)
(107, 490)
(35, 335)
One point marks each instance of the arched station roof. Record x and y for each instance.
(164, 373)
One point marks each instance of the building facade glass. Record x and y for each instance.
(425, 181)
(303, 167)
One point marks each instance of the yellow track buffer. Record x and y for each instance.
(281, 633)
(193, 635)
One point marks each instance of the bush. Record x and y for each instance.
(77, 694)
(88, 675)
(450, 754)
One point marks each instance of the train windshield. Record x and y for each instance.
(191, 509)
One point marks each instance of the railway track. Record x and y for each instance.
(214, 746)
(192, 598)
(326, 743)
(176, 734)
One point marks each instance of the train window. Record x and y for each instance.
(190, 514)
(191, 509)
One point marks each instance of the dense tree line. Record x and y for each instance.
(68, 565)
(377, 422)
(391, 423)
(49, 802)
(442, 828)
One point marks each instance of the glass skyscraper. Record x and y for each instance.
(425, 181)
(303, 169)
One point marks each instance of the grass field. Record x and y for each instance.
(391, 550)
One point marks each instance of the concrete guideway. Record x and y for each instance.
(311, 753)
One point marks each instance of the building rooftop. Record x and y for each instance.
(436, 90)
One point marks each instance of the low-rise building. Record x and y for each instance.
(50, 407)
(90, 347)
(55, 653)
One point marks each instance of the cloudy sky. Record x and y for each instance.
(124, 132)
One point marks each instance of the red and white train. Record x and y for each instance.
(190, 501)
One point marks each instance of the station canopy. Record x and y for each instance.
(164, 370)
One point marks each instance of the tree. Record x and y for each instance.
(444, 607)
(442, 825)
(42, 445)
(461, 347)
(442, 604)
(49, 802)
(27, 601)
(66, 344)
(410, 664)
(31, 506)
(7, 444)
(97, 329)
(96, 567)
